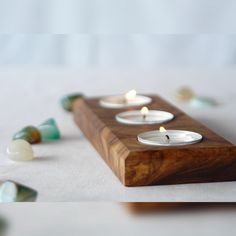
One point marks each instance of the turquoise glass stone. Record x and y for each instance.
(49, 130)
(201, 102)
(50, 121)
(68, 100)
(14, 192)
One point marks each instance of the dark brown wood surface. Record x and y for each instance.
(136, 164)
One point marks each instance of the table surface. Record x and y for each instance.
(108, 218)
(70, 169)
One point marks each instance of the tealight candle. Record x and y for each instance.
(164, 137)
(127, 100)
(144, 116)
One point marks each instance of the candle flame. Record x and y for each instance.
(144, 111)
(162, 129)
(130, 95)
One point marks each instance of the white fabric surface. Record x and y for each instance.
(93, 218)
(70, 169)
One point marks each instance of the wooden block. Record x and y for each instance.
(136, 164)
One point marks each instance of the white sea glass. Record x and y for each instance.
(20, 150)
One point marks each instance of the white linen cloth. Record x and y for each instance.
(99, 218)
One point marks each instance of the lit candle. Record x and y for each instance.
(144, 111)
(130, 96)
(163, 130)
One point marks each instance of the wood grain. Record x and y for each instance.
(136, 164)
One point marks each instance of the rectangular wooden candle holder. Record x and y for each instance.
(136, 164)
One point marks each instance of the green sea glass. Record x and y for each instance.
(14, 192)
(201, 102)
(30, 134)
(3, 226)
(68, 100)
(49, 130)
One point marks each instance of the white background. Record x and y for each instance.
(118, 32)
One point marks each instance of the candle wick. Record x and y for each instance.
(144, 117)
(168, 137)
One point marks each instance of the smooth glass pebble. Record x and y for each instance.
(30, 133)
(8, 192)
(20, 150)
(14, 192)
(201, 102)
(68, 100)
(185, 94)
(49, 130)
(50, 121)
(3, 226)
